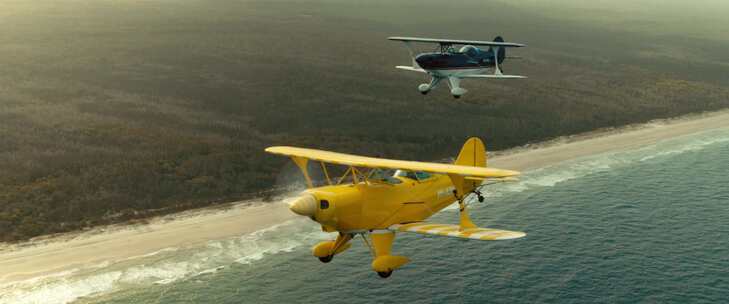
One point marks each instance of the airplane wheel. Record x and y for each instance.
(384, 274)
(424, 93)
(456, 96)
(326, 259)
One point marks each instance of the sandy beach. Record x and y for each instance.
(116, 243)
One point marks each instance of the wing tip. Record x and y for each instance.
(512, 235)
(398, 38)
(502, 173)
(512, 173)
(276, 149)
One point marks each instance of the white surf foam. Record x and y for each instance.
(695, 145)
(64, 290)
(163, 267)
(551, 176)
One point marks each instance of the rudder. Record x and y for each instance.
(473, 153)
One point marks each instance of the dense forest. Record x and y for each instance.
(111, 111)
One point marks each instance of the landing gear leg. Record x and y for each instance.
(424, 88)
(456, 90)
(385, 263)
(325, 251)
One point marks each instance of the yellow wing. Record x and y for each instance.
(485, 234)
(382, 163)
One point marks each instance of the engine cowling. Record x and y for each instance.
(332, 208)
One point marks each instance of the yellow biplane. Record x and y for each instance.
(372, 201)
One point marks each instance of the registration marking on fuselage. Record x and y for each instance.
(446, 192)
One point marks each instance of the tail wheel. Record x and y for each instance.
(384, 274)
(326, 259)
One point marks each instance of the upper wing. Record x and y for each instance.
(371, 162)
(486, 234)
(452, 41)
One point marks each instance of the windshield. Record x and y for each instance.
(415, 175)
(383, 176)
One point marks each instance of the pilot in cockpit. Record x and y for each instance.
(414, 175)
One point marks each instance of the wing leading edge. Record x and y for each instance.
(484, 234)
(409, 68)
(453, 41)
(382, 163)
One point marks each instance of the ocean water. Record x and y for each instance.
(643, 226)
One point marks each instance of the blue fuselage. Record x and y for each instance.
(477, 59)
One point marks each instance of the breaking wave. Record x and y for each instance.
(552, 175)
(161, 267)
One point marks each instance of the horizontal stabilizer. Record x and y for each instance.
(409, 68)
(493, 76)
(484, 234)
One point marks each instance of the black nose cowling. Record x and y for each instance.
(424, 60)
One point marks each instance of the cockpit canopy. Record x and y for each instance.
(391, 176)
(383, 176)
(469, 50)
(415, 175)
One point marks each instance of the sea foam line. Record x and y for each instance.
(163, 267)
(551, 176)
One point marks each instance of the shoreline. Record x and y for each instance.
(114, 243)
(605, 140)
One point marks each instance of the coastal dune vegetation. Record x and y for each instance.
(118, 110)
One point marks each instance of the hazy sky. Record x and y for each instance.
(701, 18)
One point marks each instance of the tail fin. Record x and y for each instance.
(473, 153)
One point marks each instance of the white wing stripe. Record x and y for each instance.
(454, 231)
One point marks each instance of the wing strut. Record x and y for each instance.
(326, 172)
(460, 193)
(497, 70)
(302, 162)
(412, 54)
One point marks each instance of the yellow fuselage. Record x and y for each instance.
(375, 205)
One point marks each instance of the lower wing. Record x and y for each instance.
(485, 234)
(493, 76)
(409, 68)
